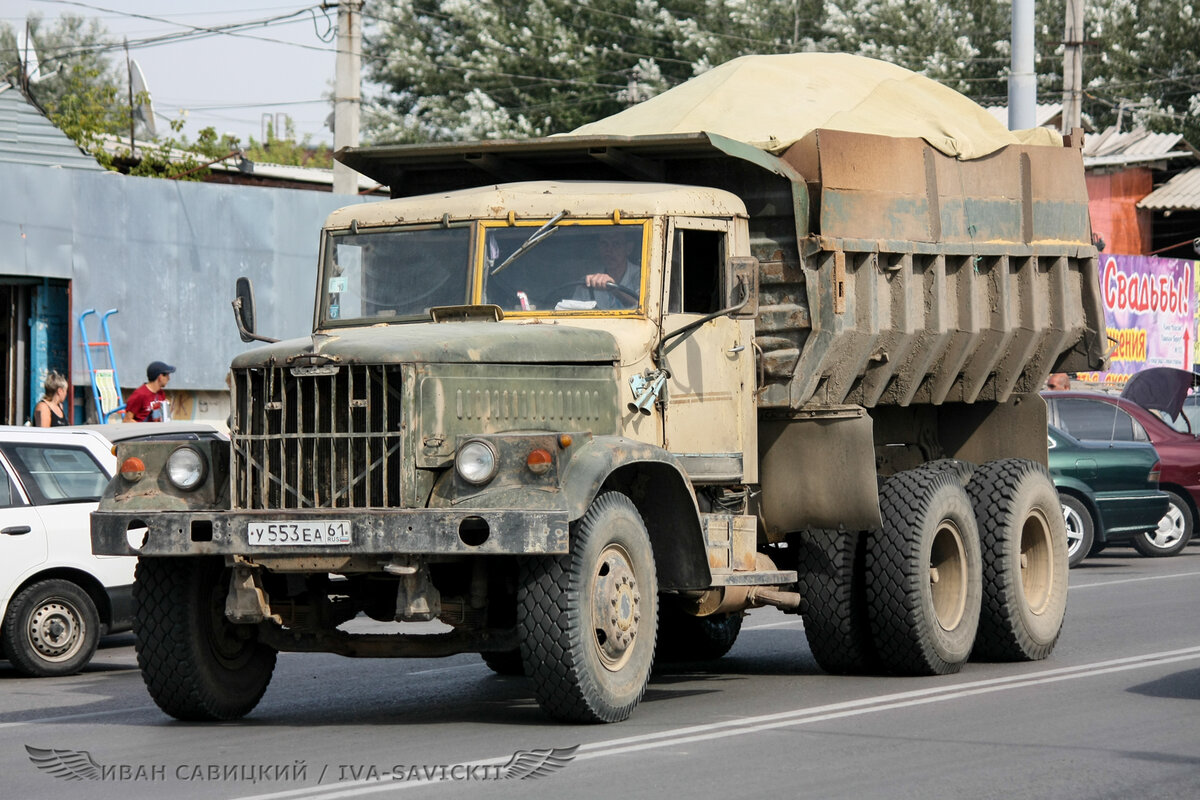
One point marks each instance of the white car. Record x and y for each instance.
(56, 598)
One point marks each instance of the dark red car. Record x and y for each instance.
(1093, 416)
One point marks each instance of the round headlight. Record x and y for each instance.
(476, 462)
(185, 468)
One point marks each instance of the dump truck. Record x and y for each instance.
(576, 403)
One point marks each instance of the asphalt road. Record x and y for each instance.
(1114, 713)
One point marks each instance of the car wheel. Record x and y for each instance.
(1173, 533)
(1081, 528)
(51, 629)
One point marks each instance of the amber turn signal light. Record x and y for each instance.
(538, 461)
(132, 469)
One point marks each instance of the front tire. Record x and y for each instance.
(52, 628)
(924, 574)
(197, 665)
(1081, 529)
(1025, 568)
(1173, 533)
(588, 620)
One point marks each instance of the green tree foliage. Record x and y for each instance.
(461, 69)
(1145, 65)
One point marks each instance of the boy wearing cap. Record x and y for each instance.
(148, 403)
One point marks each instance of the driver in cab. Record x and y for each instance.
(615, 267)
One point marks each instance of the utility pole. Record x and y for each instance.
(347, 98)
(1072, 107)
(1022, 84)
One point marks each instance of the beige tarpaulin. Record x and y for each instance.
(773, 101)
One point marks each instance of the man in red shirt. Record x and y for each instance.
(148, 403)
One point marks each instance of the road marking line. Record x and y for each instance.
(774, 625)
(802, 716)
(446, 669)
(84, 715)
(1135, 580)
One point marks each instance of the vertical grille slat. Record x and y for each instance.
(316, 439)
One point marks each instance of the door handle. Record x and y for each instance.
(737, 348)
(16, 530)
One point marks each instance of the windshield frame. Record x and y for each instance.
(533, 223)
(329, 241)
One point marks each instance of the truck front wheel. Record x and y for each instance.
(588, 620)
(197, 665)
(1025, 562)
(925, 574)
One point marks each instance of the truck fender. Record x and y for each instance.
(659, 487)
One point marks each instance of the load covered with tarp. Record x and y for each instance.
(774, 101)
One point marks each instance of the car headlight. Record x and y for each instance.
(186, 468)
(476, 462)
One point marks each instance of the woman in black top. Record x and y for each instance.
(48, 413)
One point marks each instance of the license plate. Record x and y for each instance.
(299, 533)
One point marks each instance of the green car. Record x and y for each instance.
(1109, 491)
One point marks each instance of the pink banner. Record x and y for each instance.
(1149, 310)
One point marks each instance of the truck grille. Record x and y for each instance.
(316, 437)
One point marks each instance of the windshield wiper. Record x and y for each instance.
(536, 238)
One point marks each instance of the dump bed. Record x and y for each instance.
(891, 274)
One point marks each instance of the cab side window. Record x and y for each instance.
(696, 262)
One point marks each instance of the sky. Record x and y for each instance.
(224, 81)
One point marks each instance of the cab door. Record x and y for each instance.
(708, 417)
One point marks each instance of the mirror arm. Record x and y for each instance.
(245, 334)
(691, 326)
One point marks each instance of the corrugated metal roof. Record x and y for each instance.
(1043, 114)
(27, 137)
(1181, 192)
(1112, 147)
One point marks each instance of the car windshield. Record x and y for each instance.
(394, 273)
(581, 267)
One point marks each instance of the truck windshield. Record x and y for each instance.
(394, 273)
(583, 267)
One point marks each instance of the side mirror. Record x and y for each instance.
(243, 311)
(742, 284)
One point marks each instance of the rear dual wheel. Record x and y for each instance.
(924, 574)
(1024, 542)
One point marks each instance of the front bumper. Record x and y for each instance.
(383, 532)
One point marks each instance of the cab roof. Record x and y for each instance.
(544, 199)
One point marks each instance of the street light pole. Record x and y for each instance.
(347, 99)
(1072, 109)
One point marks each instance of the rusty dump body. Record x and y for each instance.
(890, 274)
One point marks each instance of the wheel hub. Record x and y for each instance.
(948, 576)
(55, 631)
(1037, 562)
(616, 607)
(1169, 530)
